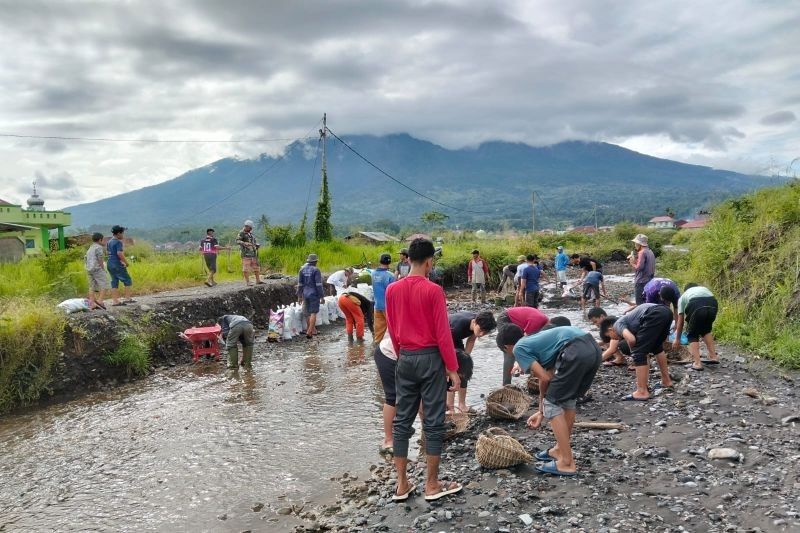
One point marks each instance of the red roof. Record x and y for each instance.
(662, 219)
(3, 202)
(585, 229)
(695, 224)
(680, 223)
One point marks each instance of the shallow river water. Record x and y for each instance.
(189, 450)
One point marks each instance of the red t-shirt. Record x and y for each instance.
(416, 314)
(530, 319)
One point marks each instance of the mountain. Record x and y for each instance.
(490, 185)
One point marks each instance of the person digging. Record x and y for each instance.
(565, 359)
(236, 329)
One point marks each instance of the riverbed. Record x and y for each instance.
(189, 449)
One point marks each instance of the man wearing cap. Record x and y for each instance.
(249, 250)
(562, 260)
(118, 267)
(478, 275)
(310, 292)
(403, 266)
(643, 261)
(381, 279)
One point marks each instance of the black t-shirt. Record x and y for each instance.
(459, 327)
(209, 245)
(586, 264)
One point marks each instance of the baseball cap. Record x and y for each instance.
(385, 259)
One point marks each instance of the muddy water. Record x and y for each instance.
(188, 449)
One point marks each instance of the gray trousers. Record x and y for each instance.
(420, 376)
(479, 288)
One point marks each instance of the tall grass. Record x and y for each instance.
(132, 354)
(749, 255)
(31, 337)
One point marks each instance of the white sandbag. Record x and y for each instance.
(74, 305)
(275, 331)
(365, 290)
(300, 318)
(322, 316)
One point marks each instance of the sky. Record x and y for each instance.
(705, 82)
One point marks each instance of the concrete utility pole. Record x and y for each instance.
(533, 211)
(323, 133)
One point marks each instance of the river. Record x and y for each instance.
(187, 449)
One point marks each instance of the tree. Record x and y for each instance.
(434, 218)
(670, 212)
(300, 236)
(323, 230)
(387, 225)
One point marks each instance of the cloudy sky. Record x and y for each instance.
(707, 82)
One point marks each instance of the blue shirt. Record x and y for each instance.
(309, 282)
(593, 278)
(114, 245)
(561, 261)
(544, 347)
(531, 276)
(381, 278)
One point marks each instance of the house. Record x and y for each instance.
(26, 232)
(679, 223)
(696, 224)
(586, 230)
(372, 237)
(662, 222)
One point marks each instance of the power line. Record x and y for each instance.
(379, 169)
(167, 141)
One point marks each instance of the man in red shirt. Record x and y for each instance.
(529, 319)
(416, 313)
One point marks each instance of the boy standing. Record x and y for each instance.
(118, 267)
(529, 281)
(209, 247)
(565, 360)
(697, 309)
(477, 275)
(310, 292)
(381, 279)
(561, 266)
(97, 274)
(644, 329)
(416, 312)
(403, 266)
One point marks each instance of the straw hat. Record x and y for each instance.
(640, 239)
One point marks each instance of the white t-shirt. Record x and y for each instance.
(387, 348)
(338, 279)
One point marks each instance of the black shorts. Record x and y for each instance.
(386, 370)
(575, 368)
(700, 315)
(653, 331)
(211, 262)
(591, 292)
(638, 290)
(502, 321)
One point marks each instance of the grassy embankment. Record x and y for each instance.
(750, 257)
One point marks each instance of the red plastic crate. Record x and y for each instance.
(204, 341)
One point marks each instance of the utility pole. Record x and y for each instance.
(323, 133)
(595, 217)
(533, 211)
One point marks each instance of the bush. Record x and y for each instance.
(132, 354)
(31, 338)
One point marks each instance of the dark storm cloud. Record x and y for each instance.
(684, 74)
(778, 118)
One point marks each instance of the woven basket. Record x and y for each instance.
(533, 384)
(456, 424)
(496, 448)
(508, 403)
(681, 354)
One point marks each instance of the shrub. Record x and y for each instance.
(132, 354)
(31, 338)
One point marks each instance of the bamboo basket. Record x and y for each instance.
(496, 448)
(533, 384)
(454, 424)
(508, 403)
(681, 354)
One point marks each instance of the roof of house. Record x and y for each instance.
(695, 224)
(585, 229)
(377, 236)
(3, 202)
(7, 226)
(417, 236)
(680, 222)
(662, 219)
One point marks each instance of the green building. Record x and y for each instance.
(26, 232)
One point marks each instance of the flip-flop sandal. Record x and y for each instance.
(710, 361)
(692, 367)
(403, 497)
(119, 304)
(130, 301)
(101, 306)
(552, 469)
(444, 492)
(632, 398)
(207, 284)
(544, 455)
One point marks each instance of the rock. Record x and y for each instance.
(285, 511)
(724, 453)
(222, 517)
(786, 420)
(526, 519)
(769, 400)
(484, 514)
(257, 507)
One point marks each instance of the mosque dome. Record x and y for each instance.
(35, 203)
